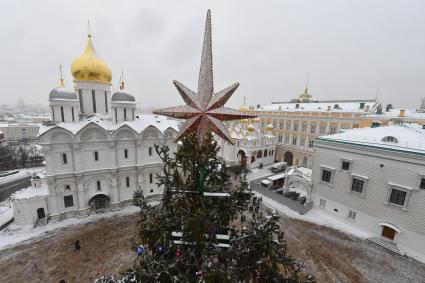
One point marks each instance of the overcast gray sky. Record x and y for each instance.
(350, 48)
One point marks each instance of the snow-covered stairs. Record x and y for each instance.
(389, 245)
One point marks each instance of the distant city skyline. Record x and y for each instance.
(351, 49)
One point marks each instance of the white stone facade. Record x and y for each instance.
(375, 181)
(251, 147)
(94, 161)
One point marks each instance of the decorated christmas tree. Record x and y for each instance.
(201, 231)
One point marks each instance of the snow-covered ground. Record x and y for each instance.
(20, 175)
(6, 212)
(317, 216)
(15, 234)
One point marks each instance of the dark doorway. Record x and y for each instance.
(388, 232)
(99, 202)
(40, 213)
(289, 158)
(242, 157)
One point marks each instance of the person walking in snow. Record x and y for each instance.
(77, 245)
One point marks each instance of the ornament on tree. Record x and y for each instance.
(179, 252)
(140, 249)
(204, 111)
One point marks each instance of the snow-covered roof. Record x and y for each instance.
(402, 137)
(141, 122)
(30, 192)
(395, 113)
(335, 106)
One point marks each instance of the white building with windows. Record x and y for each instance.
(375, 178)
(97, 150)
(252, 146)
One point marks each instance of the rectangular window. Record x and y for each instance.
(352, 214)
(310, 143)
(64, 158)
(150, 151)
(125, 153)
(326, 176)
(305, 161)
(151, 178)
(132, 112)
(68, 201)
(398, 197)
(62, 114)
(313, 128)
(322, 202)
(280, 139)
(288, 125)
(296, 126)
(93, 98)
(345, 165)
(286, 139)
(125, 114)
(323, 129)
(281, 126)
(80, 98)
(96, 156)
(53, 113)
(106, 102)
(304, 127)
(302, 141)
(332, 130)
(98, 185)
(116, 116)
(357, 185)
(72, 112)
(294, 141)
(127, 181)
(422, 185)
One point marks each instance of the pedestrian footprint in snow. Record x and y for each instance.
(77, 245)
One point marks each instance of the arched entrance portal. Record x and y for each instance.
(40, 213)
(242, 158)
(289, 158)
(99, 201)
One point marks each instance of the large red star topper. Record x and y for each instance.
(205, 110)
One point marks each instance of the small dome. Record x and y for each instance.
(122, 96)
(256, 120)
(269, 127)
(62, 93)
(244, 121)
(89, 67)
(250, 128)
(244, 108)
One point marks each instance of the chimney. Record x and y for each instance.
(329, 108)
(388, 108)
(402, 113)
(362, 105)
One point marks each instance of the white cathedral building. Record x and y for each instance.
(98, 151)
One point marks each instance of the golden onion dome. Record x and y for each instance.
(244, 108)
(244, 121)
(89, 67)
(256, 120)
(250, 128)
(269, 127)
